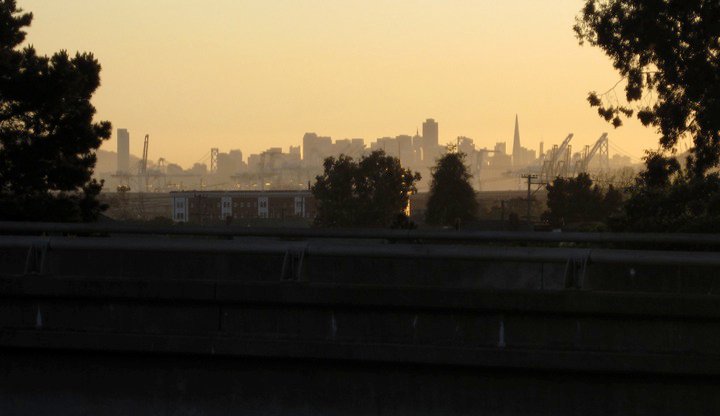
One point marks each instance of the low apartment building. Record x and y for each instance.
(217, 207)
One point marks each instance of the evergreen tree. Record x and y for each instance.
(452, 197)
(47, 133)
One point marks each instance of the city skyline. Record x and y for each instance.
(521, 152)
(497, 167)
(253, 75)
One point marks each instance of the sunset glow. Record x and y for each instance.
(255, 74)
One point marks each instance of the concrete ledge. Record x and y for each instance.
(517, 329)
(573, 302)
(548, 360)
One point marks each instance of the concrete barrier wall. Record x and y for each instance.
(163, 332)
(499, 274)
(569, 330)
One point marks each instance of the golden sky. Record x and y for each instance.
(253, 74)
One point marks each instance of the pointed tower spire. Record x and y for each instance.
(516, 152)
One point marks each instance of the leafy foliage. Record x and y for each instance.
(452, 197)
(577, 200)
(666, 199)
(668, 51)
(373, 192)
(47, 133)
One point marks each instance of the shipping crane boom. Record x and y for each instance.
(556, 164)
(600, 147)
(144, 161)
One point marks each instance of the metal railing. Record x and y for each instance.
(20, 228)
(368, 250)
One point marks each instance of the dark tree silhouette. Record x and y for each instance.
(47, 133)
(667, 51)
(665, 199)
(335, 192)
(370, 193)
(577, 200)
(452, 197)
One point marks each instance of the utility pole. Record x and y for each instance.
(529, 178)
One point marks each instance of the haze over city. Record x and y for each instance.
(253, 75)
(359, 207)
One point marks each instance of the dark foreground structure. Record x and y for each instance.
(184, 321)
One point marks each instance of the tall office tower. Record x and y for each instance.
(430, 140)
(310, 151)
(123, 151)
(341, 146)
(517, 150)
(405, 150)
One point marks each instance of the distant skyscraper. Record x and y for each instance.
(123, 151)
(311, 152)
(517, 149)
(430, 140)
(315, 149)
(405, 149)
(430, 132)
(308, 145)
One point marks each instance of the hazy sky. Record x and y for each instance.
(252, 74)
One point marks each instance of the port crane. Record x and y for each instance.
(599, 149)
(557, 164)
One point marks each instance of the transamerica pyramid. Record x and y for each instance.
(516, 151)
